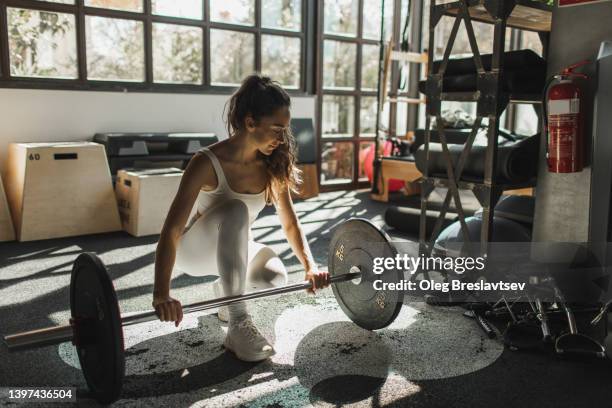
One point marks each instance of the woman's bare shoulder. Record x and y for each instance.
(201, 170)
(223, 151)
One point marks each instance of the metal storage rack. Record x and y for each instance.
(490, 98)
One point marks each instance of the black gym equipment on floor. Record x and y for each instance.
(96, 331)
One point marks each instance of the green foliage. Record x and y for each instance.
(25, 29)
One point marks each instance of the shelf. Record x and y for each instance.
(527, 14)
(401, 99)
(475, 185)
(460, 96)
(414, 57)
(475, 96)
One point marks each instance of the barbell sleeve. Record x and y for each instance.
(39, 338)
(60, 334)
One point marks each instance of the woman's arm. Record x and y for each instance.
(199, 172)
(297, 239)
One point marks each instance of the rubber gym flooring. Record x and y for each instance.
(429, 357)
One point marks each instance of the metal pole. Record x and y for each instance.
(39, 338)
(61, 334)
(224, 301)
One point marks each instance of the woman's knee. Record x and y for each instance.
(266, 270)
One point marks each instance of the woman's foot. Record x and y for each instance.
(246, 342)
(223, 312)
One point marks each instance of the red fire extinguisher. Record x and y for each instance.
(565, 153)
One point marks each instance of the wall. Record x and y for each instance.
(563, 200)
(48, 115)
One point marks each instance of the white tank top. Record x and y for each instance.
(209, 199)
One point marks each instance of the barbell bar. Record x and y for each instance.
(96, 325)
(64, 333)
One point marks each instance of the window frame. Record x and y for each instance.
(357, 92)
(79, 10)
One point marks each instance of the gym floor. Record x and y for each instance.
(429, 357)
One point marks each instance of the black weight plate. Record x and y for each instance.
(356, 242)
(98, 334)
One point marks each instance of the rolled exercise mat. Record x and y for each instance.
(516, 162)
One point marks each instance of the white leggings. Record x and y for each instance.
(218, 243)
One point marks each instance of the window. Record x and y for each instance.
(525, 117)
(350, 51)
(339, 60)
(233, 56)
(370, 55)
(115, 49)
(367, 122)
(41, 44)
(338, 116)
(126, 5)
(233, 11)
(282, 15)
(177, 54)
(183, 8)
(281, 59)
(340, 17)
(186, 45)
(337, 163)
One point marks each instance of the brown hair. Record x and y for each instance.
(260, 96)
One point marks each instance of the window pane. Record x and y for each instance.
(385, 114)
(128, 5)
(341, 17)
(233, 11)
(365, 151)
(526, 120)
(371, 19)
(173, 8)
(233, 56)
(531, 40)
(282, 14)
(42, 44)
(177, 54)
(338, 116)
(482, 31)
(115, 49)
(280, 59)
(369, 66)
(405, 9)
(337, 163)
(401, 120)
(339, 60)
(367, 117)
(388, 20)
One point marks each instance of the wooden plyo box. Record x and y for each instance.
(60, 190)
(7, 232)
(400, 170)
(144, 197)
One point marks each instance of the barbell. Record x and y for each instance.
(95, 328)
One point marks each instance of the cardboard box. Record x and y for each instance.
(60, 190)
(144, 197)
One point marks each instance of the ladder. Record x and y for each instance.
(391, 96)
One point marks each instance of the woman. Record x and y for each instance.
(231, 182)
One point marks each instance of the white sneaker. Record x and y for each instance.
(223, 312)
(246, 342)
